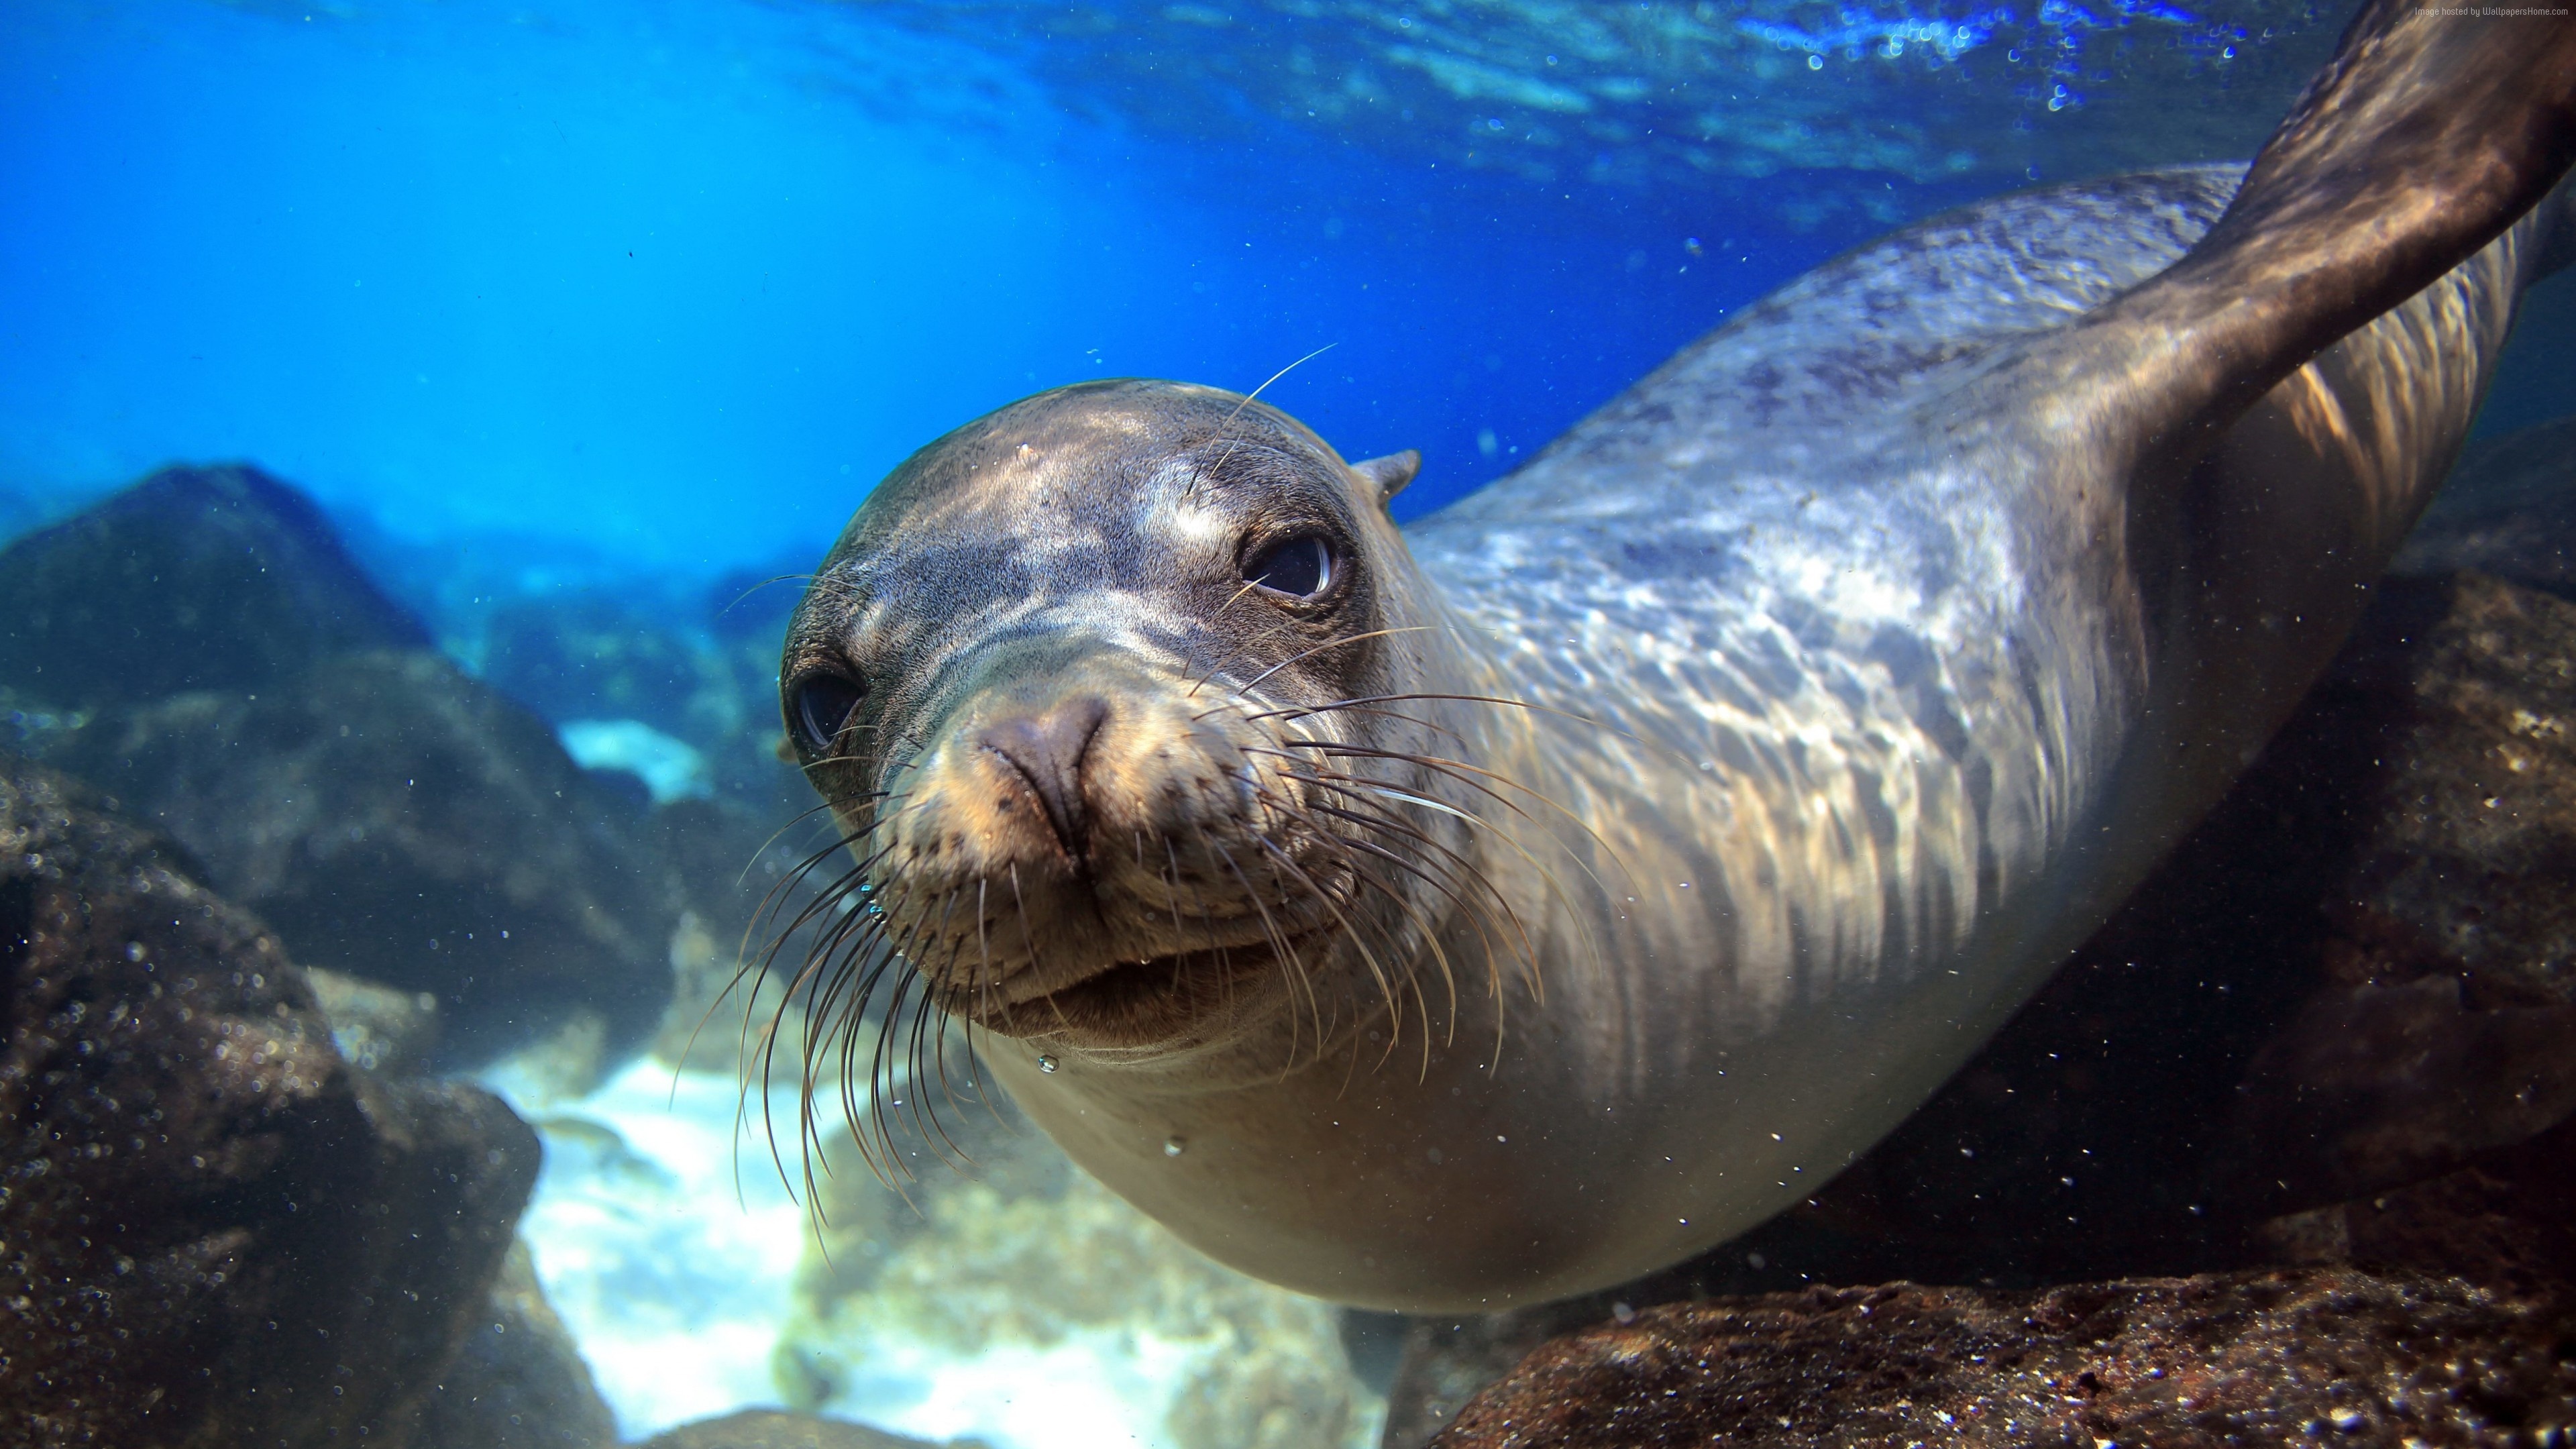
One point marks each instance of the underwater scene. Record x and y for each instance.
(1299, 724)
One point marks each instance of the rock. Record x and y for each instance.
(2249, 1358)
(2509, 510)
(399, 822)
(202, 648)
(2501, 1222)
(767, 1429)
(2445, 982)
(377, 1028)
(194, 578)
(518, 1381)
(212, 1229)
(589, 656)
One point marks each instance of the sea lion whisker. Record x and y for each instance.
(947, 904)
(880, 1075)
(887, 1074)
(1386, 983)
(1555, 886)
(1415, 720)
(1302, 710)
(1207, 920)
(839, 1046)
(1029, 942)
(1241, 647)
(1256, 392)
(1321, 775)
(1281, 948)
(1430, 933)
(817, 960)
(1319, 772)
(1449, 767)
(929, 1049)
(1255, 681)
(1457, 770)
(799, 818)
(808, 579)
(1474, 910)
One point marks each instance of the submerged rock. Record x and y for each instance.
(2509, 510)
(397, 821)
(202, 648)
(2444, 986)
(2250, 1358)
(213, 1230)
(518, 1380)
(194, 578)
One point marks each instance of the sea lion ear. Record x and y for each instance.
(1390, 473)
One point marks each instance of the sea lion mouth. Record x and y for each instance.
(1141, 1003)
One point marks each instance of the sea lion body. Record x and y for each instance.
(1806, 705)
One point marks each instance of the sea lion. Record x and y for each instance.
(1503, 907)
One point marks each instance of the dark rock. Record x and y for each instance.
(194, 578)
(586, 656)
(2253, 1358)
(2509, 509)
(519, 1381)
(2444, 986)
(399, 822)
(213, 1231)
(377, 1028)
(767, 1429)
(2501, 1222)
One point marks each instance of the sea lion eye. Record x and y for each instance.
(1299, 567)
(824, 703)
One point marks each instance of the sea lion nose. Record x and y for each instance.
(1046, 751)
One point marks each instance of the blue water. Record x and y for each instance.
(666, 286)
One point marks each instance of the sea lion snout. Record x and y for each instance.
(1047, 751)
(1082, 842)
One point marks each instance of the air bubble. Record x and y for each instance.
(1172, 1146)
(1046, 1063)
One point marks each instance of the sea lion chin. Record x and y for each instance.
(1514, 904)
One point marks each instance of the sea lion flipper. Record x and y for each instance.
(2429, 133)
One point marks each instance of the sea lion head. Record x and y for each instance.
(1102, 689)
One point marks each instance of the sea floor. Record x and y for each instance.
(1011, 1302)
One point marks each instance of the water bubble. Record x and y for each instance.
(1046, 1063)
(1815, 62)
(1172, 1146)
